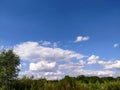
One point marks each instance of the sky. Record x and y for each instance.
(55, 38)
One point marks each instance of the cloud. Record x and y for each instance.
(42, 61)
(94, 72)
(42, 65)
(77, 69)
(93, 59)
(81, 38)
(50, 44)
(116, 45)
(104, 62)
(71, 66)
(48, 75)
(110, 64)
(33, 51)
(45, 43)
(71, 69)
(113, 65)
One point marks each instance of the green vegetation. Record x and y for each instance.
(69, 83)
(9, 63)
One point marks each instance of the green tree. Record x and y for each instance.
(9, 69)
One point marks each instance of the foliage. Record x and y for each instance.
(9, 62)
(68, 83)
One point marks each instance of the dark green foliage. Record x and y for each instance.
(68, 83)
(9, 62)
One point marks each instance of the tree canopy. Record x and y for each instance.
(9, 69)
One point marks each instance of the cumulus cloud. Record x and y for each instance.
(116, 45)
(104, 62)
(114, 65)
(72, 69)
(44, 61)
(71, 66)
(75, 69)
(110, 64)
(42, 65)
(93, 59)
(33, 51)
(81, 38)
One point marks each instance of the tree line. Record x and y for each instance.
(68, 83)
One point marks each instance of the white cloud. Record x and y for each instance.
(75, 69)
(71, 66)
(110, 64)
(44, 61)
(116, 45)
(104, 62)
(114, 65)
(33, 51)
(81, 62)
(45, 43)
(93, 59)
(81, 38)
(49, 44)
(94, 72)
(42, 65)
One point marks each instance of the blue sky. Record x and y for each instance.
(61, 22)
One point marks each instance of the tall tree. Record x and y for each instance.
(9, 69)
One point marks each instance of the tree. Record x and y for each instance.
(9, 69)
